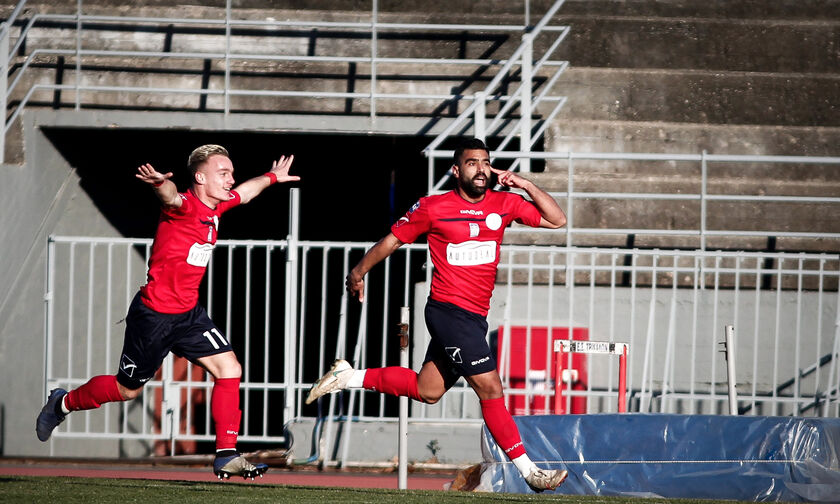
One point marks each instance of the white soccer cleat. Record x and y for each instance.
(546, 479)
(336, 379)
(236, 465)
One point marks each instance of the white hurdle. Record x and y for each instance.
(592, 347)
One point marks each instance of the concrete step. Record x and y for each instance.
(770, 9)
(605, 39)
(581, 135)
(702, 97)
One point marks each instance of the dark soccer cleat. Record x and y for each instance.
(236, 465)
(50, 416)
(546, 479)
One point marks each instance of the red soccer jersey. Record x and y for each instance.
(183, 244)
(464, 242)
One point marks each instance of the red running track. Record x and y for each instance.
(274, 476)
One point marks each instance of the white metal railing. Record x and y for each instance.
(669, 306)
(225, 49)
(695, 172)
(476, 111)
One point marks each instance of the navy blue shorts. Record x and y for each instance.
(459, 338)
(150, 336)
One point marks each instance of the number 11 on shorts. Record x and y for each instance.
(212, 340)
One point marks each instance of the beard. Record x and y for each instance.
(472, 190)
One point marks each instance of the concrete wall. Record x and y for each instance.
(45, 197)
(40, 198)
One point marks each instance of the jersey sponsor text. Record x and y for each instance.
(200, 254)
(471, 253)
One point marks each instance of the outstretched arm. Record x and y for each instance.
(356, 278)
(164, 188)
(279, 172)
(552, 216)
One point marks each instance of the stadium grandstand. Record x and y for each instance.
(692, 144)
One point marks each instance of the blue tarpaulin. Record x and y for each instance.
(746, 458)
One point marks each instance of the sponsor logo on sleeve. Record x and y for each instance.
(405, 218)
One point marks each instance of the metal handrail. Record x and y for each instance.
(517, 55)
(703, 195)
(79, 21)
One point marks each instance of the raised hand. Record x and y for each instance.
(149, 175)
(280, 169)
(508, 178)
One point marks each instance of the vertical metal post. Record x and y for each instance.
(4, 83)
(373, 52)
(570, 209)
(527, 13)
(729, 352)
(227, 57)
(622, 380)
(481, 115)
(290, 322)
(49, 314)
(430, 182)
(525, 102)
(558, 381)
(704, 180)
(402, 477)
(78, 53)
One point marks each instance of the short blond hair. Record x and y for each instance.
(202, 154)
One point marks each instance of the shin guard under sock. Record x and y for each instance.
(97, 391)
(224, 407)
(502, 427)
(394, 380)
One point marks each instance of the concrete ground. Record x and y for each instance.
(299, 475)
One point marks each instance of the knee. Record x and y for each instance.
(430, 397)
(128, 394)
(223, 366)
(233, 369)
(489, 391)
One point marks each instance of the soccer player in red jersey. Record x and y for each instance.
(464, 229)
(165, 315)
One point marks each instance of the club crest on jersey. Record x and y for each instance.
(212, 223)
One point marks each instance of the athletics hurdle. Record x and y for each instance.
(590, 347)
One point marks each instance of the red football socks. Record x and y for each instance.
(224, 407)
(502, 427)
(394, 380)
(97, 391)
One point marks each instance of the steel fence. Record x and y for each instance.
(282, 306)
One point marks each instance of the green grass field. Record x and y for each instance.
(14, 489)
